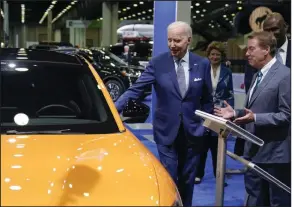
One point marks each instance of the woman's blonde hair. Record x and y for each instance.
(219, 46)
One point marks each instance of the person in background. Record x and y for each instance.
(276, 24)
(222, 89)
(268, 116)
(182, 85)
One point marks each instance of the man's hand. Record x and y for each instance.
(226, 113)
(249, 117)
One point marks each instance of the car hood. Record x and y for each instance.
(76, 170)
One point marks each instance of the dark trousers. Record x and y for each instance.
(180, 159)
(262, 193)
(210, 144)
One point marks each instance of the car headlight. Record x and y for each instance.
(131, 74)
(178, 201)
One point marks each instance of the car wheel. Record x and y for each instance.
(115, 89)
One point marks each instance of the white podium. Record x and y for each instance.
(224, 127)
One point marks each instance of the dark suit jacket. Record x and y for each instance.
(224, 89)
(250, 71)
(171, 109)
(271, 103)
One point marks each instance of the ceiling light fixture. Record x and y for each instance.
(64, 10)
(197, 4)
(47, 11)
(23, 9)
(2, 14)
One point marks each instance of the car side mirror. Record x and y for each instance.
(135, 112)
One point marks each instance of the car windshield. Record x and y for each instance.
(38, 96)
(109, 58)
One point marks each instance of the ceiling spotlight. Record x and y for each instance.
(191, 7)
(204, 10)
(197, 4)
(197, 11)
(141, 2)
(208, 2)
(202, 15)
(135, 5)
(224, 16)
(226, 5)
(233, 15)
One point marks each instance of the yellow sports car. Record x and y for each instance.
(63, 142)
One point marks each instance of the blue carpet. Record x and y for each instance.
(204, 193)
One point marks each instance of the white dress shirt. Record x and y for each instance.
(185, 64)
(283, 51)
(214, 80)
(264, 71)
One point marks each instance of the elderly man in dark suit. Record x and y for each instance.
(182, 85)
(267, 115)
(276, 24)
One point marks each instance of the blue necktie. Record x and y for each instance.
(181, 78)
(259, 76)
(279, 57)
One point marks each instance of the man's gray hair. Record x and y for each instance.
(185, 25)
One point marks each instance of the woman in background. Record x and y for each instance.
(222, 85)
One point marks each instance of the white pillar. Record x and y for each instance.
(49, 26)
(106, 24)
(109, 23)
(24, 36)
(183, 11)
(114, 23)
(6, 22)
(57, 35)
(72, 35)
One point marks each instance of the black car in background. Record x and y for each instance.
(117, 75)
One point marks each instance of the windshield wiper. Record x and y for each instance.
(38, 132)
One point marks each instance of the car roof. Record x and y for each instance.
(38, 55)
